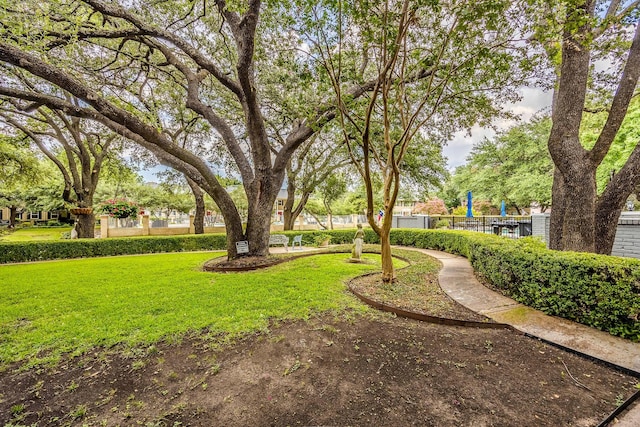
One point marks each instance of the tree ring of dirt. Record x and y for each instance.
(222, 264)
(249, 263)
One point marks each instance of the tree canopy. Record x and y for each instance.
(134, 67)
(513, 166)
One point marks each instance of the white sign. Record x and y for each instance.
(242, 247)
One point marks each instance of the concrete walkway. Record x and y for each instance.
(290, 250)
(457, 279)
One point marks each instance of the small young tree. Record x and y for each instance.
(314, 163)
(330, 190)
(436, 67)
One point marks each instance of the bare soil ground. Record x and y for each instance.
(340, 370)
(327, 371)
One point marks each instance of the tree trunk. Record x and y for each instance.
(606, 226)
(573, 221)
(388, 272)
(258, 227)
(261, 195)
(234, 234)
(198, 194)
(198, 219)
(13, 211)
(612, 201)
(296, 212)
(288, 219)
(558, 212)
(287, 213)
(581, 221)
(85, 226)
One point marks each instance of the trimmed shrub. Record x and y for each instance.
(86, 248)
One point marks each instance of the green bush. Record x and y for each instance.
(85, 248)
(442, 223)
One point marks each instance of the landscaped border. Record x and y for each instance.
(595, 290)
(11, 252)
(425, 317)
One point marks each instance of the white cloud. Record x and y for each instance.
(533, 101)
(460, 146)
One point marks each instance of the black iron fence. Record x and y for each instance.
(510, 226)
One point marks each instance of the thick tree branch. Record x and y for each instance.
(195, 54)
(42, 146)
(62, 39)
(564, 141)
(621, 100)
(118, 120)
(613, 16)
(222, 127)
(244, 33)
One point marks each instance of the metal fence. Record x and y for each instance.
(510, 226)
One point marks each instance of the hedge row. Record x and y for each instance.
(85, 248)
(595, 290)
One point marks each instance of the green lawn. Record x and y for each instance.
(34, 233)
(51, 308)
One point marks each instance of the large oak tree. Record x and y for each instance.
(112, 55)
(77, 148)
(582, 219)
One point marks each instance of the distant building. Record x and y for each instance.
(404, 207)
(33, 216)
(278, 207)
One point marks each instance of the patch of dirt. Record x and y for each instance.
(354, 370)
(222, 264)
(416, 289)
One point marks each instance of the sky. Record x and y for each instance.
(533, 100)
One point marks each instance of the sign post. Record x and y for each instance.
(242, 247)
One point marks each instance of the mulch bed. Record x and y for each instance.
(329, 370)
(223, 265)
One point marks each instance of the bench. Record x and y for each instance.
(279, 239)
(296, 239)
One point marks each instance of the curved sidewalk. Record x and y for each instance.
(458, 280)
